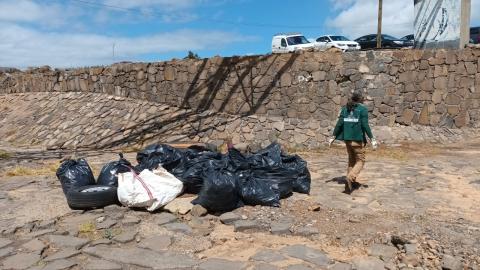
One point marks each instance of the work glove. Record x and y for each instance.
(330, 141)
(374, 144)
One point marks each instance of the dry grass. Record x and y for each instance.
(403, 152)
(88, 227)
(4, 155)
(47, 169)
(390, 153)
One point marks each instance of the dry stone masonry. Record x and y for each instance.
(293, 98)
(77, 120)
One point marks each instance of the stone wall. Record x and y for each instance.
(78, 120)
(405, 87)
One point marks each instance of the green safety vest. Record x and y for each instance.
(352, 126)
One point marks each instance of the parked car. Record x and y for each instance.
(340, 42)
(409, 40)
(290, 42)
(370, 41)
(475, 35)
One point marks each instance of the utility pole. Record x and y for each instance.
(465, 23)
(379, 30)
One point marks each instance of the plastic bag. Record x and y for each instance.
(74, 173)
(296, 164)
(159, 155)
(109, 173)
(149, 189)
(261, 178)
(220, 191)
(257, 192)
(192, 171)
(279, 179)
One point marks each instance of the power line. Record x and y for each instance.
(248, 24)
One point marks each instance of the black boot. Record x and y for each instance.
(348, 186)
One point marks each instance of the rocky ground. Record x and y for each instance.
(418, 209)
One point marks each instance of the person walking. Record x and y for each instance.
(351, 127)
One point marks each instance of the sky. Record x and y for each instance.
(76, 33)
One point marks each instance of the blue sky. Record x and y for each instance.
(70, 33)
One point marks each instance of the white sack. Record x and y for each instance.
(148, 189)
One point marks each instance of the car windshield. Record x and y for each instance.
(296, 40)
(339, 38)
(387, 37)
(409, 37)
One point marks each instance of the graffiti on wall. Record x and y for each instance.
(437, 23)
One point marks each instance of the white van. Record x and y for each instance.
(285, 43)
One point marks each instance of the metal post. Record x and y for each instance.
(379, 30)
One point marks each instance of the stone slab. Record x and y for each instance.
(60, 265)
(96, 264)
(179, 205)
(221, 264)
(298, 267)
(125, 237)
(6, 252)
(164, 218)
(21, 261)
(34, 245)
(5, 242)
(267, 255)
(178, 227)
(307, 254)
(246, 225)
(281, 228)
(157, 243)
(265, 266)
(67, 241)
(143, 257)
(62, 254)
(229, 217)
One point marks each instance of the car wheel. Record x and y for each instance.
(92, 196)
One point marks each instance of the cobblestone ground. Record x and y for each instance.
(418, 209)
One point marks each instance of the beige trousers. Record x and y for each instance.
(356, 159)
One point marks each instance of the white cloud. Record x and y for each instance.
(144, 4)
(28, 11)
(23, 47)
(360, 18)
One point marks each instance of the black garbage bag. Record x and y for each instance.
(190, 156)
(109, 173)
(257, 192)
(298, 166)
(293, 166)
(220, 191)
(74, 174)
(278, 179)
(159, 154)
(236, 160)
(193, 171)
(269, 156)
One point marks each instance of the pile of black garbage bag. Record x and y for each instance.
(228, 181)
(79, 185)
(223, 182)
